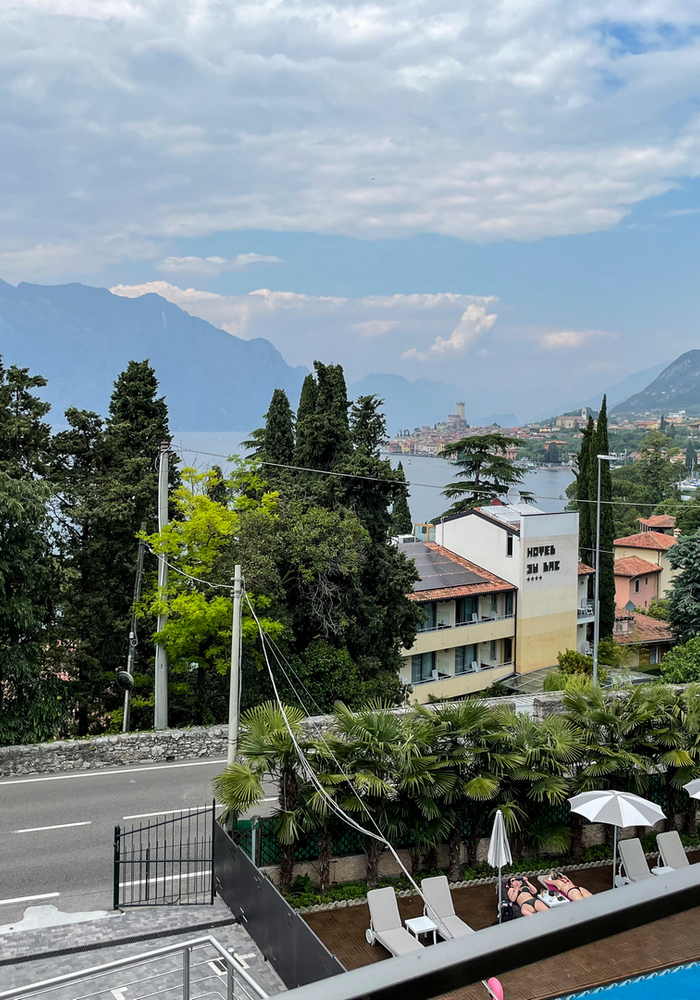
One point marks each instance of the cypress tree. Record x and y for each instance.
(24, 437)
(331, 425)
(401, 521)
(586, 511)
(607, 527)
(278, 440)
(306, 416)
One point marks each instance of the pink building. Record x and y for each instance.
(636, 580)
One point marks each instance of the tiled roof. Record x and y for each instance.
(491, 583)
(658, 521)
(647, 540)
(645, 630)
(634, 566)
(583, 570)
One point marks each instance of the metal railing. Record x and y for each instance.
(480, 620)
(585, 611)
(219, 974)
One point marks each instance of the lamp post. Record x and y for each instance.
(596, 604)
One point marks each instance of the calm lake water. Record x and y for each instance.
(427, 476)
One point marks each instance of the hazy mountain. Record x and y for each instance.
(408, 405)
(81, 338)
(676, 388)
(627, 387)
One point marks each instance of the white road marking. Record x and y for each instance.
(164, 878)
(118, 994)
(29, 899)
(99, 772)
(59, 826)
(170, 812)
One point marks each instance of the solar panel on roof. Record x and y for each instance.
(437, 571)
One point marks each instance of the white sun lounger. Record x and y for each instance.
(671, 850)
(385, 924)
(633, 861)
(440, 908)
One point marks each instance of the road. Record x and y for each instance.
(57, 830)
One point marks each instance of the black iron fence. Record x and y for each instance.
(284, 938)
(166, 862)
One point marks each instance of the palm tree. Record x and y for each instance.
(266, 750)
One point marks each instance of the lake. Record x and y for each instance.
(427, 476)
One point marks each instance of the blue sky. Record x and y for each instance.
(503, 197)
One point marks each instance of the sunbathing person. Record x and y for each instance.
(565, 887)
(520, 890)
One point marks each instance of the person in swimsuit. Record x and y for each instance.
(520, 890)
(565, 887)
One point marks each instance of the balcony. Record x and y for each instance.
(585, 612)
(447, 636)
(449, 686)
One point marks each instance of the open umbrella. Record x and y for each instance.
(499, 850)
(618, 809)
(693, 788)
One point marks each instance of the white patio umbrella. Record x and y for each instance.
(499, 851)
(693, 788)
(617, 809)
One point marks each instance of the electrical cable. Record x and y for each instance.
(431, 486)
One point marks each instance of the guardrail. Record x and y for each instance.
(197, 971)
(481, 620)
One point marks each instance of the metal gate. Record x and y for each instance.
(166, 862)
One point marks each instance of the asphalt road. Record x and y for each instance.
(57, 831)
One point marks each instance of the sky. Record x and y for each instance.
(501, 196)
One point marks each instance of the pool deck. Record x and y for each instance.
(671, 941)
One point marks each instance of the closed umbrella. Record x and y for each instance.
(618, 809)
(499, 850)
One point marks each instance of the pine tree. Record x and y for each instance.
(607, 527)
(24, 437)
(586, 511)
(306, 417)
(484, 471)
(278, 440)
(401, 521)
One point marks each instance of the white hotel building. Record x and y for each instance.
(503, 592)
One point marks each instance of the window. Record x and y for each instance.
(422, 667)
(509, 603)
(464, 657)
(466, 607)
(636, 586)
(509, 544)
(493, 652)
(646, 580)
(429, 623)
(494, 605)
(508, 650)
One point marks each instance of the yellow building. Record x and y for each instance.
(500, 588)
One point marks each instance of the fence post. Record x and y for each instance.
(115, 869)
(254, 820)
(148, 871)
(185, 974)
(229, 982)
(213, 851)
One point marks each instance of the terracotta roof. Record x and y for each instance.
(634, 566)
(658, 521)
(492, 583)
(647, 540)
(645, 630)
(583, 570)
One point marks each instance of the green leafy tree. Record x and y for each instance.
(24, 436)
(484, 473)
(33, 703)
(306, 424)
(684, 596)
(401, 520)
(323, 431)
(278, 441)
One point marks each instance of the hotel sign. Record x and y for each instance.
(540, 562)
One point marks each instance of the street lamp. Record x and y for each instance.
(596, 605)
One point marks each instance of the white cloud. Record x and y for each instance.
(474, 321)
(568, 340)
(482, 121)
(371, 328)
(212, 267)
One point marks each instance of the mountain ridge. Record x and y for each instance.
(677, 387)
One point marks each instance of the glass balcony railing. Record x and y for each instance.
(474, 620)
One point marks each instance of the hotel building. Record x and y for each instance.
(503, 592)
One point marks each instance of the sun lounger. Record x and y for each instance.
(671, 850)
(633, 861)
(385, 924)
(440, 908)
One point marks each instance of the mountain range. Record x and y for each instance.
(677, 387)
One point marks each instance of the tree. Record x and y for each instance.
(691, 457)
(305, 425)
(684, 596)
(33, 706)
(484, 472)
(607, 525)
(401, 520)
(586, 510)
(278, 440)
(24, 437)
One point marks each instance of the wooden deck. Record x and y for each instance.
(664, 943)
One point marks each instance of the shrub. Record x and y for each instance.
(573, 662)
(681, 665)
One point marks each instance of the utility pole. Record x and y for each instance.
(160, 720)
(133, 638)
(234, 698)
(596, 603)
